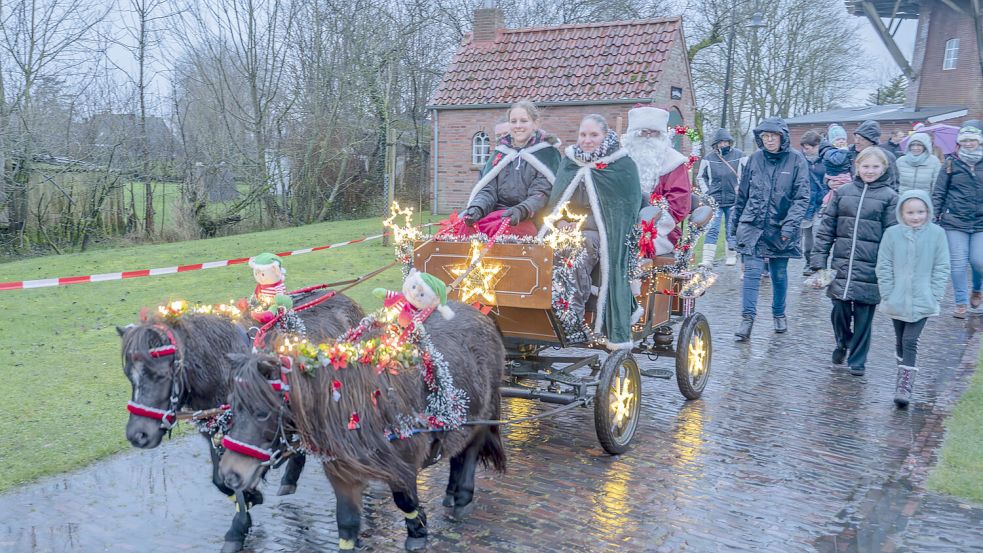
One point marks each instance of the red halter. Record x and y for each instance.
(169, 417)
(266, 456)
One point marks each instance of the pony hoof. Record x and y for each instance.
(448, 500)
(287, 489)
(416, 544)
(462, 512)
(232, 547)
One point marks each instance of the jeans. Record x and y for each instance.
(809, 235)
(965, 249)
(714, 231)
(851, 327)
(754, 267)
(906, 340)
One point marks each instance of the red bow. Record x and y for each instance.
(600, 165)
(451, 226)
(646, 243)
(655, 198)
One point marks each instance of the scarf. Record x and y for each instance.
(971, 157)
(608, 146)
(919, 159)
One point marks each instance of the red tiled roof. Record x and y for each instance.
(585, 62)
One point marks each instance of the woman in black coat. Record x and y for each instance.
(852, 226)
(771, 201)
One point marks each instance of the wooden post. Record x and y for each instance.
(389, 181)
(618, 123)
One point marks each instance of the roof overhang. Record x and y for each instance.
(557, 103)
(885, 113)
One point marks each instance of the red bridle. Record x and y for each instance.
(167, 417)
(266, 456)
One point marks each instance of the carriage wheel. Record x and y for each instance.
(618, 401)
(693, 353)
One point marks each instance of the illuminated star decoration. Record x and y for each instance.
(697, 355)
(401, 234)
(480, 279)
(622, 397)
(569, 237)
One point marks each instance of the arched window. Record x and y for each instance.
(480, 148)
(951, 53)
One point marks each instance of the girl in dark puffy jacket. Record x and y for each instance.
(853, 223)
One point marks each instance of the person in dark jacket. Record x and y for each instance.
(813, 147)
(852, 226)
(517, 180)
(771, 201)
(893, 144)
(958, 198)
(868, 134)
(718, 176)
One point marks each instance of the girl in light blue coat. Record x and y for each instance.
(912, 273)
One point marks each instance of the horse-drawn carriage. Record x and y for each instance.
(516, 288)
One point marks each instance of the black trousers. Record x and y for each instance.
(851, 326)
(906, 339)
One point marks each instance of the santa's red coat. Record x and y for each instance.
(676, 189)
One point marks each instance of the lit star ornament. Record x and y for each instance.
(569, 237)
(402, 234)
(622, 397)
(479, 279)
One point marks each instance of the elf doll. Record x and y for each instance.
(422, 294)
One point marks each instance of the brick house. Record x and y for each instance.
(945, 74)
(568, 71)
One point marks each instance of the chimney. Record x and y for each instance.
(488, 19)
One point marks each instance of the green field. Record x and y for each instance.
(960, 468)
(65, 394)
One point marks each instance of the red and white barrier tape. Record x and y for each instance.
(64, 281)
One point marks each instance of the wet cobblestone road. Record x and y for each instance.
(781, 454)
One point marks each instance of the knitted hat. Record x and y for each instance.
(265, 260)
(970, 132)
(647, 117)
(440, 289)
(871, 130)
(835, 132)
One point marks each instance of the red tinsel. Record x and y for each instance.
(655, 198)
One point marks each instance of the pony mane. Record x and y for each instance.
(250, 386)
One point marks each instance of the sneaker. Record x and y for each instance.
(781, 325)
(839, 357)
(959, 312)
(976, 299)
(857, 371)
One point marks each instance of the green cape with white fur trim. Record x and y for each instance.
(615, 195)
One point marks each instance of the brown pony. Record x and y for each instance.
(351, 457)
(184, 363)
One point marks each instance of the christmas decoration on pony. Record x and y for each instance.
(422, 293)
(270, 294)
(403, 235)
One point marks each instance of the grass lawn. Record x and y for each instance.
(960, 468)
(64, 397)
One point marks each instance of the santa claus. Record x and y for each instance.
(662, 170)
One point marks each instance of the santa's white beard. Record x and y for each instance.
(649, 154)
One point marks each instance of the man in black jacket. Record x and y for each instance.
(718, 176)
(771, 201)
(869, 134)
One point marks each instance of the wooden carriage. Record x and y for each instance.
(521, 304)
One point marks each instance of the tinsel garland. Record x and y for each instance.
(682, 255)
(397, 350)
(219, 424)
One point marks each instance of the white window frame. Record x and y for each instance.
(951, 55)
(480, 148)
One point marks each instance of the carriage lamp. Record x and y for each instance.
(479, 278)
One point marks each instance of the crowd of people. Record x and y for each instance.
(879, 223)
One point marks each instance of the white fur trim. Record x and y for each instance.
(673, 160)
(648, 117)
(510, 156)
(615, 346)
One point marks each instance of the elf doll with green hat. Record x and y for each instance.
(422, 294)
(270, 293)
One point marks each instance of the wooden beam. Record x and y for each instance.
(978, 20)
(871, 12)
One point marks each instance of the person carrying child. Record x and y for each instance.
(912, 274)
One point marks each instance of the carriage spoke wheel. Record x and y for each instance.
(618, 401)
(693, 353)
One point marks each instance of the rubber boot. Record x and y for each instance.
(781, 325)
(744, 331)
(903, 386)
(709, 251)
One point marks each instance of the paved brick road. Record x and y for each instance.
(782, 454)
